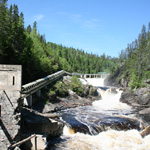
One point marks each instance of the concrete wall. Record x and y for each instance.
(10, 77)
(10, 86)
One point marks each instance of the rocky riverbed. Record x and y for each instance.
(137, 98)
(42, 118)
(140, 99)
(72, 99)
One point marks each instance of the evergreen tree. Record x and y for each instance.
(29, 29)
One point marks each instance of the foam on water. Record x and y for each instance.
(110, 101)
(108, 140)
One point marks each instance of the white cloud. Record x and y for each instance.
(85, 23)
(91, 23)
(75, 18)
(38, 17)
(81, 21)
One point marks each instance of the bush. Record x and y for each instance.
(134, 82)
(76, 86)
(59, 89)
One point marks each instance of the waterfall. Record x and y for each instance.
(98, 82)
(110, 139)
(106, 125)
(110, 100)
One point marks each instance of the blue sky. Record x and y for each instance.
(95, 26)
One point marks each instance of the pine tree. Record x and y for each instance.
(29, 29)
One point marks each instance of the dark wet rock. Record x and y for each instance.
(117, 123)
(113, 90)
(34, 122)
(139, 99)
(129, 98)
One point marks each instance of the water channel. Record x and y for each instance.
(106, 125)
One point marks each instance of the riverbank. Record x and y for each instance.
(68, 93)
(43, 119)
(139, 99)
(109, 127)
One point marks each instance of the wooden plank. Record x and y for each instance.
(21, 142)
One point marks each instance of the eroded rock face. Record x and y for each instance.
(143, 95)
(138, 97)
(129, 98)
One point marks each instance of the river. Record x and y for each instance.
(106, 125)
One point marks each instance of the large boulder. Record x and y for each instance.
(129, 98)
(34, 122)
(145, 111)
(143, 96)
(139, 97)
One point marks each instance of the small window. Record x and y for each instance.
(13, 80)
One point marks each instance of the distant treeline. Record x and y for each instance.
(135, 60)
(25, 46)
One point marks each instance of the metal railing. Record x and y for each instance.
(101, 74)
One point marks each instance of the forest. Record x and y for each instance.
(27, 47)
(39, 58)
(134, 61)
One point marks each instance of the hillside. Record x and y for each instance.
(134, 63)
(25, 46)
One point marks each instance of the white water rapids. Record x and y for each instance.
(110, 139)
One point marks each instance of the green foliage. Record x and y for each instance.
(75, 85)
(147, 74)
(134, 83)
(135, 60)
(52, 92)
(59, 89)
(92, 91)
(38, 57)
